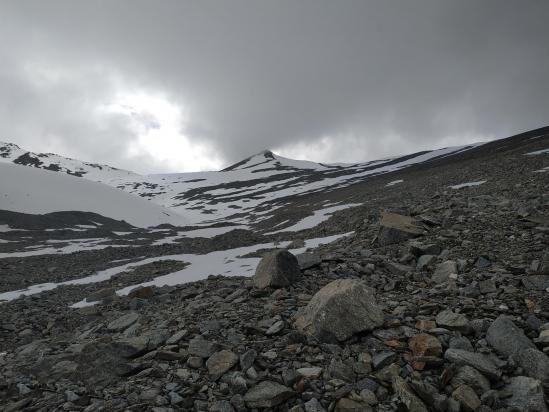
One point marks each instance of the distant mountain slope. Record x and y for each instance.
(35, 191)
(248, 192)
(254, 189)
(11, 153)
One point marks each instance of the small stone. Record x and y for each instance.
(483, 262)
(407, 396)
(70, 396)
(267, 394)
(445, 271)
(467, 375)
(314, 405)
(425, 324)
(453, 321)
(275, 328)
(222, 406)
(397, 269)
(176, 337)
(349, 405)
(382, 359)
(424, 344)
(368, 397)
(141, 292)
(425, 261)
(461, 342)
(199, 346)
(487, 286)
(220, 362)
(175, 398)
(309, 373)
(247, 359)
(467, 397)
(543, 338)
(195, 362)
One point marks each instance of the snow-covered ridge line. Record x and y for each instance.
(239, 194)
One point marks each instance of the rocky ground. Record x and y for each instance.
(439, 301)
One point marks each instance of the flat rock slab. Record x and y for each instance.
(453, 321)
(339, 310)
(395, 228)
(267, 394)
(478, 361)
(123, 322)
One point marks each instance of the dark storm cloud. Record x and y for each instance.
(353, 79)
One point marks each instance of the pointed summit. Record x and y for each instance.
(258, 158)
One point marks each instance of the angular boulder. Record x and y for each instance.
(277, 269)
(339, 310)
(445, 271)
(395, 228)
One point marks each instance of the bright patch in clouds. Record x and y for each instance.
(158, 125)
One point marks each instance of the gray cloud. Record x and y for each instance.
(356, 80)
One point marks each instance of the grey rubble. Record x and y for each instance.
(222, 344)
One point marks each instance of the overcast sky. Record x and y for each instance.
(157, 86)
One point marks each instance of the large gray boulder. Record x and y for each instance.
(506, 337)
(339, 310)
(277, 269)
(395, 228)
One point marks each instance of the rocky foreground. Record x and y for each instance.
(438, 302)
(419, 319)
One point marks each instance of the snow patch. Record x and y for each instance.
(538, 152)
(318, 217)
(394, 182)
(29, 190)
(468, 184)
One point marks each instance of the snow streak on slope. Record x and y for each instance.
(29, 190)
